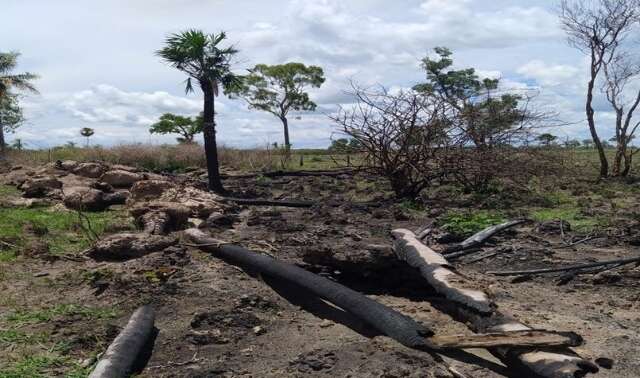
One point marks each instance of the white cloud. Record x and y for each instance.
(550, 74)
(106, 104)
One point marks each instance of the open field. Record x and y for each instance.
(61, 308)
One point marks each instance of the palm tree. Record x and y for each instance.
(87, 133)
(199, 55)
(9, 81)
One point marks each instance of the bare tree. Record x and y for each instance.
(402, 135)
(619, 73)
(597, 28)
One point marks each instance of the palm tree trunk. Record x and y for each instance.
(210, 144)
(2, 142)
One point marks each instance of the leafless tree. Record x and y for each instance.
(597, 28)
(402, 135)
(619, 73)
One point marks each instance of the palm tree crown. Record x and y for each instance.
(8, 62)
(198, 55)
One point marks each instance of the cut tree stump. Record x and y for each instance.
(120, 358)
(541, 362)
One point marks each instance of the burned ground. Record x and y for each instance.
(61, 308)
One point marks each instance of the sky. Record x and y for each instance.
(98, 69)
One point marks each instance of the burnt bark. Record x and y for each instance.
(209, 131)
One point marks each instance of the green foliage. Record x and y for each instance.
(63, 234)
(187, 127)
(345, 146)
(578, 222)
(13, 336)
(279, 89)
(546, 139)
(485, 114)
(21, 317)
(464, 224)
(87, 132)
(11, 116)
(198, 55)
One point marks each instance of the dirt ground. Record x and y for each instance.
(215, 320)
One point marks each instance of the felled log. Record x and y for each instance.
(479, 238)
(542, 362)
(524, 338)
(619, 262)
(437, 271)
(120, 358)
(265, 202)
(384, 319)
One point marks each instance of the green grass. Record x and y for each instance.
(464, 224)
(578, 222)
(40, 366)
(61, 229)
(8, 191)
(13, 336)
(21, 317)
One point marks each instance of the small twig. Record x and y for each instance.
(8, 244)
(590, 237)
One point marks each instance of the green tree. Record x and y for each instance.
(486, 117)
(546, 139)
(187, 127)
(200, 56)
(587, 143)
(12, 116)
(280, 89)
(572, 143)
(87, 133)
(17, 144)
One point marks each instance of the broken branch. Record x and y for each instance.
(480, 238)
(619, 262)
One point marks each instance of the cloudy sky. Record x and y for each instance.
(98, 69)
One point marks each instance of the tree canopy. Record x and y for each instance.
(186, 127)
(280, 89)
(485, 114)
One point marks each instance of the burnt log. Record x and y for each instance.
(540, 362)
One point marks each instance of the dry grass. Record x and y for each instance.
(178, 158)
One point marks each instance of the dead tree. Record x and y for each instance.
(618, 74)
(402, 136)
(475, 308)
(597, 28)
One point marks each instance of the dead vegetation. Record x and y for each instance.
(344, 235)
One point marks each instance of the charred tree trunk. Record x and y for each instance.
(474, 308)
(210, 144)
(285, 124)
(120, 358)
(2, 143)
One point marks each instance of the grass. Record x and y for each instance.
(464, 224)
(179, 158)
(21, 317)
(8, 191)
(40, 366)
(61, 230)
(13, 336)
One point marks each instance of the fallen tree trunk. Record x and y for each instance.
(542, 362)
(479, 238)
(265, 202)
(524, 338)
(384, 319)
(119, 359)
(437, 271)
(619, 262)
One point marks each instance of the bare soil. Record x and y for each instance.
(215, 320)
